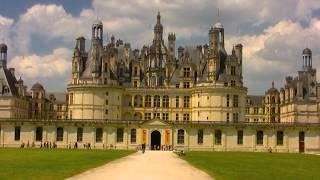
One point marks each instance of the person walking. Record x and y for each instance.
(143, 148)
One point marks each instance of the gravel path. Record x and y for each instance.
(164, 165)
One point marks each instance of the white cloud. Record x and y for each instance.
(5, 28)
(277, 52)
(34, 66)
(272, 35)
(49, 22)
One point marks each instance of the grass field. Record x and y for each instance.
(249, 165)
(52, 163)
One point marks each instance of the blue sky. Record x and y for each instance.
(41, 34)
(14, 9)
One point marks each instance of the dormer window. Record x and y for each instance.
(6, 90)
(186, 72)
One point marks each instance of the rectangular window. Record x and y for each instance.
(135, 84)
(217, 137)
(240, 137)
(133, 136)
(200, 136)
(180, 136)
(39, 131)
(235, 100)
(79, 134)
(177, 116)
(177, 101)
(71, 98)
(165, 101)
(177, 85)
(99, 133)
(156, 101)
(186, 84)
(228, 97)
(279, 137)
(186, 117)
(148, 101)
(228, 117)
(156, 115)
(186, 72)
(233, 83)
(59, 107)
(165, 116)
(233, 70)
(147, 116)
(119, 135)
(17, 131)
(59, 134)
(259, 137)
(186, 101)
(235, 117)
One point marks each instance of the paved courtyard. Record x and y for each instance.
(151, 165)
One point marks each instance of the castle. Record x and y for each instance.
(196, 100)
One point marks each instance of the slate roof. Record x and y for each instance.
(7, 79)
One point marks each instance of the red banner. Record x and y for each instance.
(167, 137)
(144, 136)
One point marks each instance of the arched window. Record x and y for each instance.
(147, 101)
(165, 101)
(5, 89)
(273, 100)
(156, 101)
(59, 134)
(180, 136)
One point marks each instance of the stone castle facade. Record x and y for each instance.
(195, 99)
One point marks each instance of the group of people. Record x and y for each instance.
(48, 144)
(163, 147)
(27, 145)
(155, 147)
(75, 145)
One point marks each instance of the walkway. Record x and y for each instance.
(151, 165)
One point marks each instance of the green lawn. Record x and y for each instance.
(250, 165)
(52, 163)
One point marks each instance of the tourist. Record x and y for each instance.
(143, 148)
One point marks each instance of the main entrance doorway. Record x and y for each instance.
(155, 140)
(301, 141)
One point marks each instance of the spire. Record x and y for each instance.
(158, 28)
(233, 51)
(272, 84)
(158, 18)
